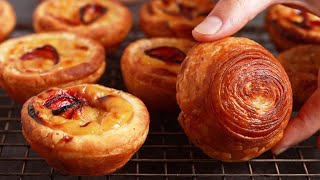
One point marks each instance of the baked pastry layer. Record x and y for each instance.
(108, 22)
(170, 18)
(85, 129)
(33, 63)
(288, 27)
(150, 67)
(302, 65)
(7, 19)
(235, 98)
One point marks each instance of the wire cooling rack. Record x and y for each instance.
(167, 153)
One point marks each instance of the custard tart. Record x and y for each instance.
(85, 129)
(150, 67)
(33, 63)
(235, 98)
(302, 64)
(288, 27)
(171, 18)
(108, 22)
(7, 19)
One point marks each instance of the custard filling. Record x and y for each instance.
(76, 13)
(74, 114)
(165, 60)
(46, 54)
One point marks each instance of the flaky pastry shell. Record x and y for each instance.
(108, 22)
(85, 149)
(34, 63)
(302, 65)
(288, 27)
(170, 18)
(7, 19)
(235, 98)
(150, 67)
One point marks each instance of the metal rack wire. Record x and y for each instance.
(167, 153)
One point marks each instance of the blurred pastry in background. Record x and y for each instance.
(33, 63)
(85, 129)
(150, 67)
(302, 64)
(108, 22)
(288, 27)
(171, 18)
(7, 19)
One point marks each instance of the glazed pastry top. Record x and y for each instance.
(46, 53)
(84, 12)
(249, 93)
(81, 110)
(162, 55)
(192, 12)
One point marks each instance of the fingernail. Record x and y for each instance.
(211, 25)
(279, 151)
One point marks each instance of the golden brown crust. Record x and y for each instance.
(88, 154)
(170, 18)
(235, 98)
(74, 67)
(302, 64)
(289, 27)
(110, 29)
(151, 79)
(7, 19)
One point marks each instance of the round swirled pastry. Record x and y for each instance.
(288, 27)
(34, 63)
(7, 19)
(150, 68)
(171, 18)
(235, 97)
(108, 22)
(86, 129)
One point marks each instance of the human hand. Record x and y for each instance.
(229, 16)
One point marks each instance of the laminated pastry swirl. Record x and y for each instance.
(235, 98)
(171, 18)
(7, 19)
(85, 129)
(108, 22)
(288, 27)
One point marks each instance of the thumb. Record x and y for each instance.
(304, 125)
(227, 18)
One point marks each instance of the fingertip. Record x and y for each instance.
(203, 37)
(207, 29)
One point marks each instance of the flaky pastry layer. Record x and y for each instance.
(235, 98)
(90, 153)
(150, 67)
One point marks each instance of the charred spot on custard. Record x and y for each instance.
(105, 98)
(167, 54)
(91, 12)
(65, 105)
(306, 23)
(33, 113)
(44, 52)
